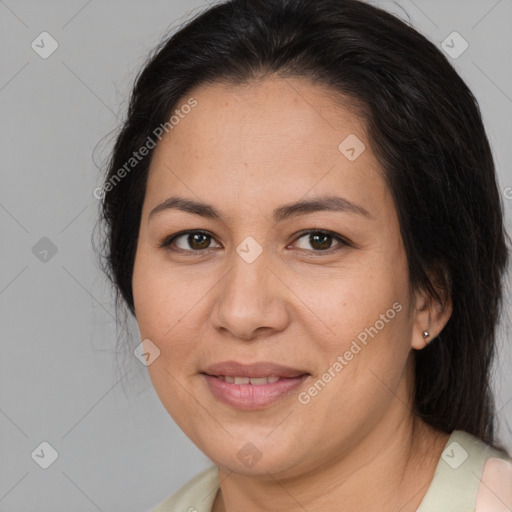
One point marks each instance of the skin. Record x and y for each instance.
(247, 150)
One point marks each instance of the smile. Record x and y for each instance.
(252, 386)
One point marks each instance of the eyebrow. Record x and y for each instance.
(326, 203)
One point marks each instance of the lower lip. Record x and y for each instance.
(248, 396)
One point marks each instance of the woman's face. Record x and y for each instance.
(285, 326)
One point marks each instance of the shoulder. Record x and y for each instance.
(471, 476)
(495, 489)
(197, 495)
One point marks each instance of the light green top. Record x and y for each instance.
(453, 489)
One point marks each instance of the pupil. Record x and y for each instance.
(319, 236)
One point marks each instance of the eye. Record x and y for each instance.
(189, 241)
(197, 241)
(322, 241)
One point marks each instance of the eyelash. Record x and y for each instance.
(342, 242)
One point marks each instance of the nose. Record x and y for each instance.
(251, 301)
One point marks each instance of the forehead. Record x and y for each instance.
(270, 137)
(276, 112)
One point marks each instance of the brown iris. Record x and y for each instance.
(198, 241)
(320, 240)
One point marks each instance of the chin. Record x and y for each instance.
(258, 458)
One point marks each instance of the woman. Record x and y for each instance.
(302, 215)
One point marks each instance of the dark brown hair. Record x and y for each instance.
(424, 125)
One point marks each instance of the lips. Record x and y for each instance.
(252, 386)
(254, 370)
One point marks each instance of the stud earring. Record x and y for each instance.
(426, 335)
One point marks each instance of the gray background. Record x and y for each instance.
(62, 378)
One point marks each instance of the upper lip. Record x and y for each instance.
(260, 369)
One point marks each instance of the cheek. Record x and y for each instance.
(168, 308)
(160, 299)
(363, 362)
(356, 303)
(368, 342)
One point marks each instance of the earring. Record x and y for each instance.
(426, 335)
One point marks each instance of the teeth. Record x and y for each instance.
(255, 381)
(258, 380)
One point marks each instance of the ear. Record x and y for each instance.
(430, 317)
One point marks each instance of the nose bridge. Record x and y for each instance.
(250, 297)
